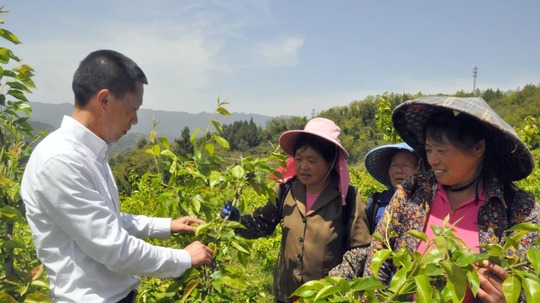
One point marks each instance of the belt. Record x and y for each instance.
(130, 298)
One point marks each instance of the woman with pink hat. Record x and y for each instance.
(319, 212)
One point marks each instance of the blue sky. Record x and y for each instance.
(282, 57)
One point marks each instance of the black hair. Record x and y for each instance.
(464, 131)
(105, 69)
(461, 130)
(328, 150)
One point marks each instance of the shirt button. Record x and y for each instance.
(300, 239)
(304, 220)
(299, 272)
(299, 258)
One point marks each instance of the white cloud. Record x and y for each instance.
(281, 52)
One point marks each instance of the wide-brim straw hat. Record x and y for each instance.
(513, 157)
(320, 127)
(378, 161)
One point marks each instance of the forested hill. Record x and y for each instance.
(170, 123)
(357, 121)
(258, 134)
(358, 124)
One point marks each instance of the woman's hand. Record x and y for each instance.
(491, 278)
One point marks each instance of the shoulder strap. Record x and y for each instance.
(371, 212)
(350, 200)
(283, 191)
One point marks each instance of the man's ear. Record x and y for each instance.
(102, 98)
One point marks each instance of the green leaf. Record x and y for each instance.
(474, 280)
(308, 289)
(165, 142)
(442, 246)
(326, 291)
(193, 138)
(168, 153)
(533, 255)
(10, 244)
(155, 150)
(512, 289)
(529, 226)
(9, 36)
(532, 289)
(35, 297)
(418, 235)
(11, 213)
(222, 110)
(221, 141)
(217, 126)
(209, 147)
(238, 172)
(240, 247)
(368, 283)
(378, 260)
(456, 284)
(424, 290)
(40, 284)
(398, 280)
(202, 229)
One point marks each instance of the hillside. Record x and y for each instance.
(170, 123)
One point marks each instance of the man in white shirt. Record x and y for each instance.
(91, 251)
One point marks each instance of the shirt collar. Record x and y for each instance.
(95, 144)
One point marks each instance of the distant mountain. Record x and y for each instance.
(170, 123)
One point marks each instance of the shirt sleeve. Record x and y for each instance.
(146, 227)
(67, 191)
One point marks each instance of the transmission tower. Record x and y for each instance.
(474, 73)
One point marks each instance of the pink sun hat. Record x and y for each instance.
(328, 130)
(320, 127)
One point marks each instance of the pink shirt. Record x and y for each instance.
(310, 200)
(466, 228)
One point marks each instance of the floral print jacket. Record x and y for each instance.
(409, 210)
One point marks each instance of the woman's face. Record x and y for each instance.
(453, 166)
(311, 168)
(403, 164)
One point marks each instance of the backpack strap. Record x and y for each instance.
(283, 191)
(371, 211)
(350, 201)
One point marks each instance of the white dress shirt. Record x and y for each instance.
(92, 252)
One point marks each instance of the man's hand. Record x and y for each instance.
(491, 278)
(183, 225)
(200, 254)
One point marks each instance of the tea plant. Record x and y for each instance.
(442, 274)
(198, 185)
(21, 275)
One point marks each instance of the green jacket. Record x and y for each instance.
(312, 242)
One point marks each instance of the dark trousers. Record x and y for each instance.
(130, 298)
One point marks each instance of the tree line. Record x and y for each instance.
(359, 122)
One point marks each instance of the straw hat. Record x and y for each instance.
(515, 159)
(320, 127)
(378, 161)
